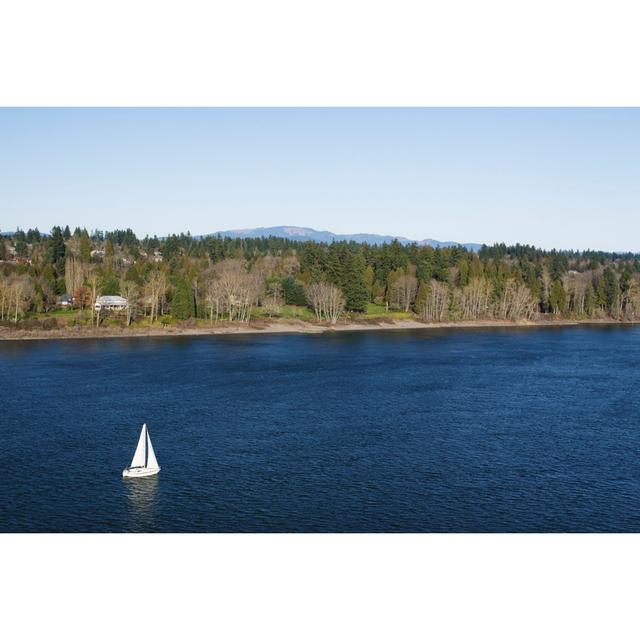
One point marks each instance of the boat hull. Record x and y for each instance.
(139, 472)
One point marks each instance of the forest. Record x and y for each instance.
(213, 279)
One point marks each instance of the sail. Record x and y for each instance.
(152, 463)
(140, 454)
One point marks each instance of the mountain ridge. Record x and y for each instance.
(307, 233)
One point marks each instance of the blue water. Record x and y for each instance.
(466, 430)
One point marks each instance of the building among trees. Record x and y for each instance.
(111, 303)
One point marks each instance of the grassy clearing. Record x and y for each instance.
(287, 312)
(378, 311)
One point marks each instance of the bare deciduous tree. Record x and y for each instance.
(272, 302)
(4, 298)
(155, 291)
(435, 306)
(233, 290)
(476, 297)
(326, 300)
(74, 274)
(516, 302)
(21, 293)
(403, 291)
(94, 288)
(131, 292)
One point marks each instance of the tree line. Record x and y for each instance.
(228, 279)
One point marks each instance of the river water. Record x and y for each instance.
(474, 430)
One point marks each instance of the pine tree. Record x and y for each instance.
(426, 262)
(108, 249)
(421, 296)
(601, 294)
(610, 289)
(590, 300)
(293, 292)
(463, 268)
(85, 246)
(109, 285)
(57, 247)
(183, 303)
(558, 298)
(354, 286)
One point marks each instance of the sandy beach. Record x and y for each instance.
(273, 327)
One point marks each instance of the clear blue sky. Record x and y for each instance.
(565, 178)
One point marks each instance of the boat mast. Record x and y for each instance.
(146, 446)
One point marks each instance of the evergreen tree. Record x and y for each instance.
(463, 269)
(183, 302)
(558, 298)
(610, 289)
(476, 270)
(57, 247)
(601, 294)
(392, 278)
(590, 300)
(293, 292)
(85, 247)
(354, 287)
(421, 296)
(109, 285)
(66, 234)
(426, 264)
(108, 249)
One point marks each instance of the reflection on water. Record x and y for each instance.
(142, 495)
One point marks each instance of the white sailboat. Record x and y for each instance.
(144, 461)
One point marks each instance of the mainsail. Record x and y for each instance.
(152, 463)
(139, 457)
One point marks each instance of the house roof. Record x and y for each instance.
(109, 300)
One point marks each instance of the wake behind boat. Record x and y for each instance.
(144, 461)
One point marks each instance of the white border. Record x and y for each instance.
(319, 586)
(326, 53)
(334, 52)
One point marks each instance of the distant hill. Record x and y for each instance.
(305, 233)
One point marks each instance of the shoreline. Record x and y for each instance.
(283, 327)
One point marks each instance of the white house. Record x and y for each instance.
(65, 300)
(111, 303)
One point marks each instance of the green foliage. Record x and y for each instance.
(293, 291)
(558, 297)
(183, 302)
(597, 282)
(110, 286)
(463, 270)
(57, 247)
(85, 246)
(132, 275)
(353, 284)
(421, 296)
(108, 249)
(590, 300)
(21, 248)
(610, 289)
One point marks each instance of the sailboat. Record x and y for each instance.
(144, 461)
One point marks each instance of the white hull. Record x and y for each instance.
(139, 472)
